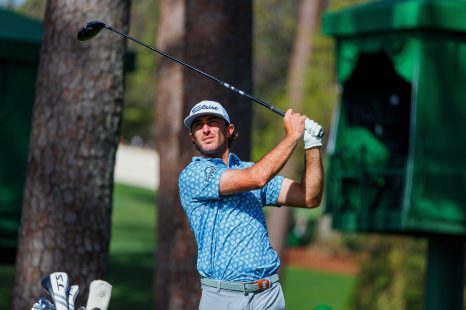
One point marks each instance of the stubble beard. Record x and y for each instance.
(216, 152)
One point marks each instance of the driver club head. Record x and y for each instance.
(90, 30)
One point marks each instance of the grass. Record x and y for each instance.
(133, 220)
(131, 265)
(309, 289)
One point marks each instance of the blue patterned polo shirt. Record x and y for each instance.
(230, 230)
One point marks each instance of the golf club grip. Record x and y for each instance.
(242, 93)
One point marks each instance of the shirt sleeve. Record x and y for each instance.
(200, 181)
(271, 190)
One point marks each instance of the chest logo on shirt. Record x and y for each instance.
(209, 173)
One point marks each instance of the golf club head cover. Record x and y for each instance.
(99, 295)
(313, 134)
(56, 284)
(73, 292)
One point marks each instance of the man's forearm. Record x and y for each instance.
(269, 165)
(256, 176)
(312, 181)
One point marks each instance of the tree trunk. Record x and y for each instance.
(308, 23)
(66, 215)
(216, 37)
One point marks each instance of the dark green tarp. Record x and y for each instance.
(425, 43)
(396, 16)
(393, 27)
(20, 39)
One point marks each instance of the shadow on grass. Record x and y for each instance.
(131, 276)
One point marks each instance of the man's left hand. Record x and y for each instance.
(313, 134)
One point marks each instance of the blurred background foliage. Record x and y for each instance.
(392, 269)
(392, 275)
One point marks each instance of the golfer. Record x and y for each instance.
(223, 197)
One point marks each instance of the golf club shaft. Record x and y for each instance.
(242, 93)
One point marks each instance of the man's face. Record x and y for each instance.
(210, 134)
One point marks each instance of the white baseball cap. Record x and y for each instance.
(206, 107)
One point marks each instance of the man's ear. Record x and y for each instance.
(230, 130)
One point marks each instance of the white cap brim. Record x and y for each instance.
(206, 108)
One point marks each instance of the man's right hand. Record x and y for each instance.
(294, 124)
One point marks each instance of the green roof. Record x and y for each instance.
(399, 15)
(20, 37)
(16, 27)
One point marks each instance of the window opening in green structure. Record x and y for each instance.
(374, 145)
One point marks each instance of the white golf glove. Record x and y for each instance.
(313, 134)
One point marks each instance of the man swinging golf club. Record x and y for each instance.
(223, 197)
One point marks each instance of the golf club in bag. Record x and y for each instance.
(56, 285)
(64, 296)
(91, 29)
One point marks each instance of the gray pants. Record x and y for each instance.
(215, 299)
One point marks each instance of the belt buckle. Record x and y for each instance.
(262, 282)
(243, 285)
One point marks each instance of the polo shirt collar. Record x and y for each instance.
(232, 160)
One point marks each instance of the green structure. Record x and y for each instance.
(20, 39)
(397, 147)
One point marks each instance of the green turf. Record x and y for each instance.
(132, 246)
(133, 220)
(308, 289)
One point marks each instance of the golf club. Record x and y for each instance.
(43, 304)
(56, 284)
(99, 295)
(92, 29)
(72, 295)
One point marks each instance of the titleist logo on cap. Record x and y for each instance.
(203, 107)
